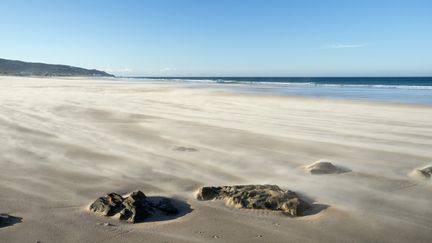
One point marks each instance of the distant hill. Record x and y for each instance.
(19, 68)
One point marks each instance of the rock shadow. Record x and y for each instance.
(8, 220)
(315, 208)
(182, 207)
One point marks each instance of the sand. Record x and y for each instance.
(65, 142)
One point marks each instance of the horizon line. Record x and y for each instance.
(401, 76)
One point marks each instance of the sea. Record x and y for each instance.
(415, 90)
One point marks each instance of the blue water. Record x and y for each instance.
(390, 89)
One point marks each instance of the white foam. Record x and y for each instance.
(287, 84)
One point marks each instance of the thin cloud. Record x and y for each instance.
(339, 46)
(120, 70)
(168, 69)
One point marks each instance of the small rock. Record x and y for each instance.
(259, 236)
(427, 172)
(185, 149)
(323, 167)
(269, 197)
(107, 224)
(423, 173)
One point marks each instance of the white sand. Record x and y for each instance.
(65, 142)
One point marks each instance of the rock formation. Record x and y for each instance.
(269, 197)
(134, 208)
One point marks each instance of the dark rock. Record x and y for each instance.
(424, 173)
(108, 205)
(138, 196)
(427, 172)
(208, 193)
(269, 197)
(134, 209)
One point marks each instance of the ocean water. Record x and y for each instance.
(416, 90)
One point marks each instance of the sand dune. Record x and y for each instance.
(65, 142)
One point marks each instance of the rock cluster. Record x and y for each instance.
(134, 209)
(323, 167)
(269, 197)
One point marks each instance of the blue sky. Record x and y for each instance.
(223, 37)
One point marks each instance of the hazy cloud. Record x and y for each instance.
(119, 70)
(168, 69)
(339, 46)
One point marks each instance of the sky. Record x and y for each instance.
(223, 37)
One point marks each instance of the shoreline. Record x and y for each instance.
(233, 88)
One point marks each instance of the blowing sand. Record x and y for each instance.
(65, 142)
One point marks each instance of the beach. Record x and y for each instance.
(67, 141)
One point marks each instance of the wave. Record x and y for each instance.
(271, 84)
